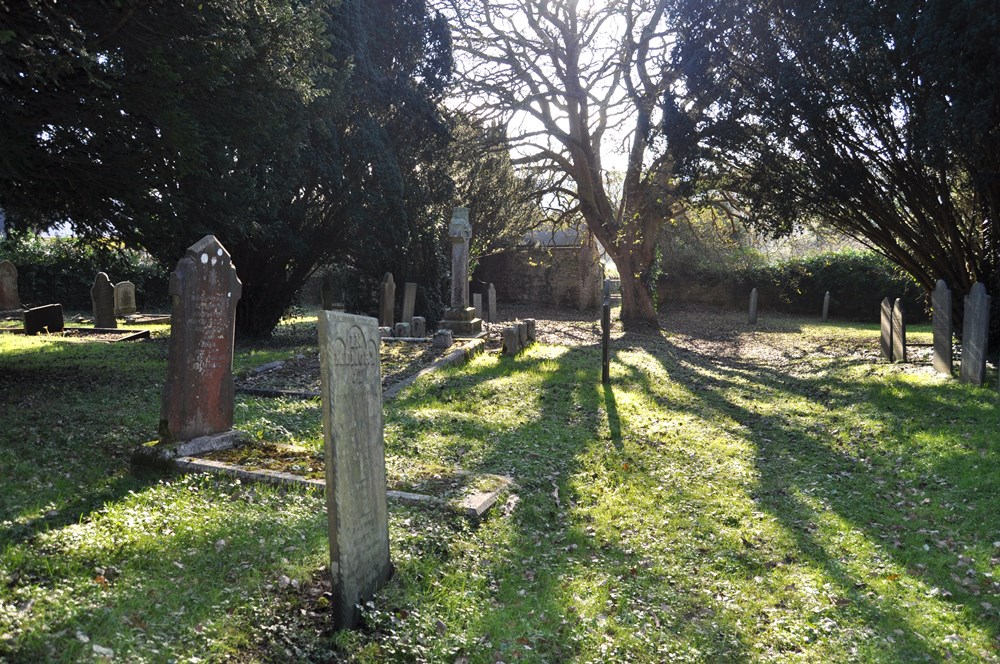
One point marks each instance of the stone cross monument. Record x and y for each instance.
(460, 318)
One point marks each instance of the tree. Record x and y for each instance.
(883, 120)
(287, 129)
(569, 79)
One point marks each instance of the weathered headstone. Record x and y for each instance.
(409, 301)
(355, 461)
(443, 339)
(47, 318)
(886, 318)
(102, 295)
(9, 298)
(826, 307)
(460, 318)
(477, 304)
(401, 330)
(898, 332)
(511, 340)
(975, 335)
(941, 321)
(491, 303)
(198, 394)
(522, 333)
(384, 332)
(530, 322)
(752, 318)
(418, 327)
(606, 334)
(387, 301)
(124, 298)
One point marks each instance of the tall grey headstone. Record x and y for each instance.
(491, 303)
(387, 301)
(752, 318)
(477, 304)
(886, 319)
(102, 296)
(942, 326)
(898, 332)
(975, 335)
(460, 318)
(198, 394)
(124, 298)
(409, 301)
(9, 298)
(826, 307)
(355, 461)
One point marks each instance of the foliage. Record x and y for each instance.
(881, 119)
(62, 270)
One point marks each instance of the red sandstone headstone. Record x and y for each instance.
(198, 394)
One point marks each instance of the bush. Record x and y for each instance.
(62, 270)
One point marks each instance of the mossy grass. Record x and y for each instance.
(774, 494)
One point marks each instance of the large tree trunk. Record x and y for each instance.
(638, 310)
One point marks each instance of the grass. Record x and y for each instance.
(767, 494)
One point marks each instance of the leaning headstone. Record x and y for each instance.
(47, 318)
(886, 340)
(941, 324)
(511, 340)
(752, 318)
(975, 334)
(418, 327)
(102, 295)
(124, 298)
(357, 513)
(826, 307)
(443, 339)
(491, 303)
(409, 301)
(477, 304)
(401, 330)
(460, 318)
(530, 322)
(9, 298)
(387, 301)
(198, 394)
(898, 332)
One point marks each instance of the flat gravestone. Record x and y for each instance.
(491, 303)
(47, 318)
(198, 394)
(387, 301)
(942, 326)
(102, 296)
(975, 334)
(752, 318)
(826, 307)
(886, 318)
(9, 298)
(124, 298)
(355, 461)
(898, 332)
(409, 301)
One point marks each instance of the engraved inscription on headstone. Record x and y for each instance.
(9, 298)
(387, 301)
(752, 317)
(102, 295)
(124, 298)
(198, 393)
(975, 335)
(941, 318)
(898, 332)
(886, 318)
(355, 461)
(409, 301)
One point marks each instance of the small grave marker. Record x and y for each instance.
(975, 334)
(418, 327)
(102, 295)
(942, 326)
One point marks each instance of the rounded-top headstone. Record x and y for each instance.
(9, 298)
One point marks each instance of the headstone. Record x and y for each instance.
(975, 335)
(198, 394)
(606, 334)
(530, 322)
(443, 339)
(941, 324)
(9, 298)
(898, 332)
(418, 327)
(124, 298)
(409, 301)
(355, 461)
(47, 318)
(752, 318)
(477, 304)
(886, 341)
(522, 333)
(826, 307)
(491, 303)
(460, 318)
(401, 330)
(387, 301)
(102, 295)
(331, 294)
(511, 340)
(384, 332)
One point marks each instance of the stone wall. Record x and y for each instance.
(566, 277)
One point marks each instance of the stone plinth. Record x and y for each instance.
(198, 394)
(102, 295)
(462, 322)
(355, 461)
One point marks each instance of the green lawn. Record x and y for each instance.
(734, 495)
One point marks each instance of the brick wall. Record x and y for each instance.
(566, 277)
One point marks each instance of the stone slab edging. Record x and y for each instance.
(463, 354)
